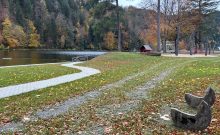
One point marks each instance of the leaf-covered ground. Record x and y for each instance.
(116, 111)
(19, 75)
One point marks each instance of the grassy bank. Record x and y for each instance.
(192, 78)
(19, 75)
(190, 75)
(114, 67)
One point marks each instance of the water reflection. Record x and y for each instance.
(22, 57)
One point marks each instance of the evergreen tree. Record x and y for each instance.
(202, 8)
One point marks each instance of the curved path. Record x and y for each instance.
(32, 86)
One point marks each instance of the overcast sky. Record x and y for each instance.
(136, 3)
(129, 2)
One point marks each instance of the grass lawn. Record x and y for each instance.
(190, 75)
(19, 75)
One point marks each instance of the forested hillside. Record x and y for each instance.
(52, 23)
(62, 24)
(79, 25)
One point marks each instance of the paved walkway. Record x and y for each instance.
(32, 86)
(189, 56)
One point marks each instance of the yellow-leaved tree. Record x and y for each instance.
(125, 40)
(33, 36)
(109, 41)
(13, 35)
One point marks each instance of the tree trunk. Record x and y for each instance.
(158, 27)
(191, 43)
(213, 49)
(165, 29)
(206, 49)
(177, 31)
(118, 27)
(177, 40)
(190, 48)
(209, 49)
(165, 46)
(200, 40)
(100, 46)
(196, 43)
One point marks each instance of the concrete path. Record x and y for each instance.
(32, 86)
(190, 56)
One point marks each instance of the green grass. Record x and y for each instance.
(193, 76)
(113, 66)
(19, 75)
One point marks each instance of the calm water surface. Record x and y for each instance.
(23, 57)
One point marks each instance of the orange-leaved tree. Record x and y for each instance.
(13, 35)
(109, 41)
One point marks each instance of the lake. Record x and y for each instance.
(23, 57)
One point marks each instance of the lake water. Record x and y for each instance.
(23, 57)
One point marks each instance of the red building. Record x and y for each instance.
(146, 49)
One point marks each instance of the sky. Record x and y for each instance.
(136, 3)
(125, 3)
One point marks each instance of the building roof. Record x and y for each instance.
(147, 47)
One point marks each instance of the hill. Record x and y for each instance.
(79, 25)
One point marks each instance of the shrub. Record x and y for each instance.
(1, 47)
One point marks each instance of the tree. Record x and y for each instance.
(51, 33)
(14, 35)
(201, 8)
(165, 24)
(41, 18)
(109, 41)
(151, 37)
(118, 25)
(158, 27)
(176, 20)
(4, 4)
(104, 20)
(153, 4)
(125, 41)
(178, 28)
(33, 36)
(27, 8)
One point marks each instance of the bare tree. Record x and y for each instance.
(165, 30)
(177, 29)
(156, 6)
(158, 26)
(181, 20)
(118, 26)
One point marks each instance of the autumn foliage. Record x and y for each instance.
(34, 38)
(14, 35)
(109, 41)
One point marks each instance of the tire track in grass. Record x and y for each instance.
(140, 93)
(72, 103)
(77, 101)
(107, 111)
